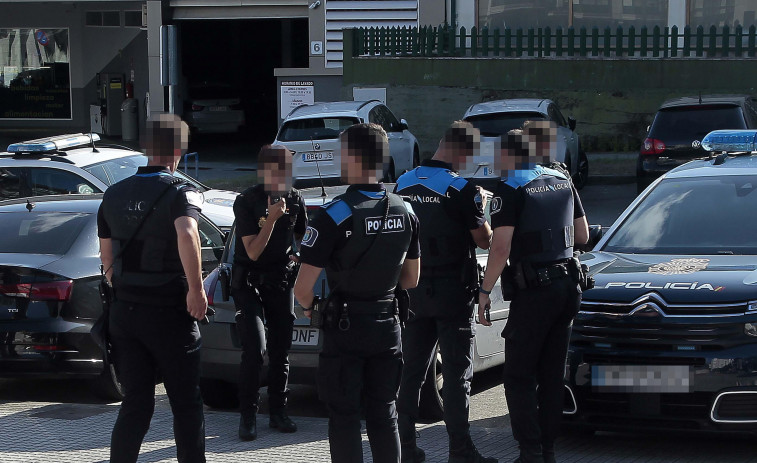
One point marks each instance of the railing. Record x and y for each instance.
(444, 41)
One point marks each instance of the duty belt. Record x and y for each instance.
(356, 307)
(545, 275)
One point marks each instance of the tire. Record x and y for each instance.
(582, 173)
(432, 405)
(219, 394)
(107, 385)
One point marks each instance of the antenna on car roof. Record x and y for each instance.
(317, 166)
(30, 206)
(92, 140)
(700, 97)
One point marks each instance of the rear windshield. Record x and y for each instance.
(706, 215)
(40, 232)
(695, 123)
(115, 170)
(496, 125)
(317, 128)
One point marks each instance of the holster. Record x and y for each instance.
(402, 300)
(238, 277)
(526, 275)
(580, 274)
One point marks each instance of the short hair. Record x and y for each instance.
(369, 143)
(166, 132)
(516, 143)
(462, 134)
(542, 131)
(274, 155)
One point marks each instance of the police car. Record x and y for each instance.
(221, 348)
(77, 164)
(668, 336)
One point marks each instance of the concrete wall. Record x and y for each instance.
(91, 50)
(612, 100)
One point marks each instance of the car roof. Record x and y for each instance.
(60, 203)
(735, 100)
(329, 108)
(509, 105)
(80, 157)
(743, 164)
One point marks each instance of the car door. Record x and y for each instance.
(567, 141)
(400, 141)
(211, 245)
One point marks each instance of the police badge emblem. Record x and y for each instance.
(679, 266)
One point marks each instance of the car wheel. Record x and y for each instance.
(432, 405)
(219, 394)
(390, 176)
(107, 385)
(416, 157)
(582, 173)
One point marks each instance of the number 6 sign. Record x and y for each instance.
(316, 48)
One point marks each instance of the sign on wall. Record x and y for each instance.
(296, 93)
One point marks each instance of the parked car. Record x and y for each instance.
(69, 164)
(221, 349)
(495, 118)
(675, 136)
(311, 132)
(668, 336)
(49, 297)
(214, 108)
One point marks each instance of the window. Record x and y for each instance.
(133, 18)
(498, 124)
(115, 170)
(41, 232)
(319, 128)
(382, 116)
(556, 115)
(44, 181)
(104, 18)
(34, 74)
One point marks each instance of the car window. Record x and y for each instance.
(40, 232)
(382, 116)
(210, 236)
(692, 216)
(115, 170)
(498, 124)
(556, 115)
(46, 181)
(695, 123)
(317, 128)
(14, 183)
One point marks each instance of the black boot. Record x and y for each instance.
(248, 428)
(530, 455)
(281, 421)
(410, 452)
(468, 453)
(548, 453)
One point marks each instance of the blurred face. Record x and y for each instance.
(544, 136)
(464, 152)
(165, 139)
(353, 170)
(277, 176)
(516, 153)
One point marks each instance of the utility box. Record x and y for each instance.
(110, 89)
(95, 119)
(130, 119)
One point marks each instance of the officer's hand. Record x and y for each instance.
(307, 312)
(197, 304)
(294, 258)
(276, 210)
(483, 196)
(484, 303)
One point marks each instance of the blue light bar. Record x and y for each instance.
(44, 145)
(730, 140)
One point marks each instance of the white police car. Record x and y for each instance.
(77, 164)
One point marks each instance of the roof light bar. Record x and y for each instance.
(56, 143)
(730, 140)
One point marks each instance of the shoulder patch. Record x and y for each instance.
(194, 197)
(338, 210)
(310, 237)
(496, 205)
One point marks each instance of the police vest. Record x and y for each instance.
(544, 231)
(152, 258)
(368, 267)
(445, 243)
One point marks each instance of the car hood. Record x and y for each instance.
(218, 206)
(679, 279)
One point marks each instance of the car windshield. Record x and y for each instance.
(695, 123)
(115, 170)
(498, 124)
(40, 232)
(317, 128)
(705, 215)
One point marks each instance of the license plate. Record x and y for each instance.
(305, 336)
(320, 156)
(640, 378)
(219, 108)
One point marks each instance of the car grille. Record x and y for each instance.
(674, 310)
(693, 406)
(737, 406)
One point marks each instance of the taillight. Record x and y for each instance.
(47, 291)
(197, 107)
(209, 285)
(652, 146)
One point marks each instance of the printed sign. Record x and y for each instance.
(296, 93)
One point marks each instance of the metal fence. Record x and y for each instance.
(444, 41)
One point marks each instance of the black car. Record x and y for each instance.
(675, 136)
(49, 298)
(668, 337)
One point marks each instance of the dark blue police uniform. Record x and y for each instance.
(361, 358)
(150, 328)
(262, 292)
(541, 204)
(448, 208)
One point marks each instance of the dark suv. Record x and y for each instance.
(675, 136)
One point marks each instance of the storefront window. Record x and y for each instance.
(34, 74)
(721, 13)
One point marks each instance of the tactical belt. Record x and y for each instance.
(528, 275)
(371, 307)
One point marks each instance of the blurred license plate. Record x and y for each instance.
(305, 336)
(322, 156)
(219, 108)
(640, 378)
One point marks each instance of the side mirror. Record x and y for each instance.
(595, 234)
(225, 281)
(572, 123)
(402, 125)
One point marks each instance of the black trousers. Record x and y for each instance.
(444, 314)
(362, 365)
(536, 345)
(148, 339)
(272, 309)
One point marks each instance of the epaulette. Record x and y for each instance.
(338, 210)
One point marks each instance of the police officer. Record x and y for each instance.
(367, 240)
(537, 217)
(150, 249)
(451, 214)
(268, 216)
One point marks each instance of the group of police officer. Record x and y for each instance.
(386, 310)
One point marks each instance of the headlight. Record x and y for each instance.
(751, 306)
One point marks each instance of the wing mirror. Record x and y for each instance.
(402, 125)
(572, 123)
